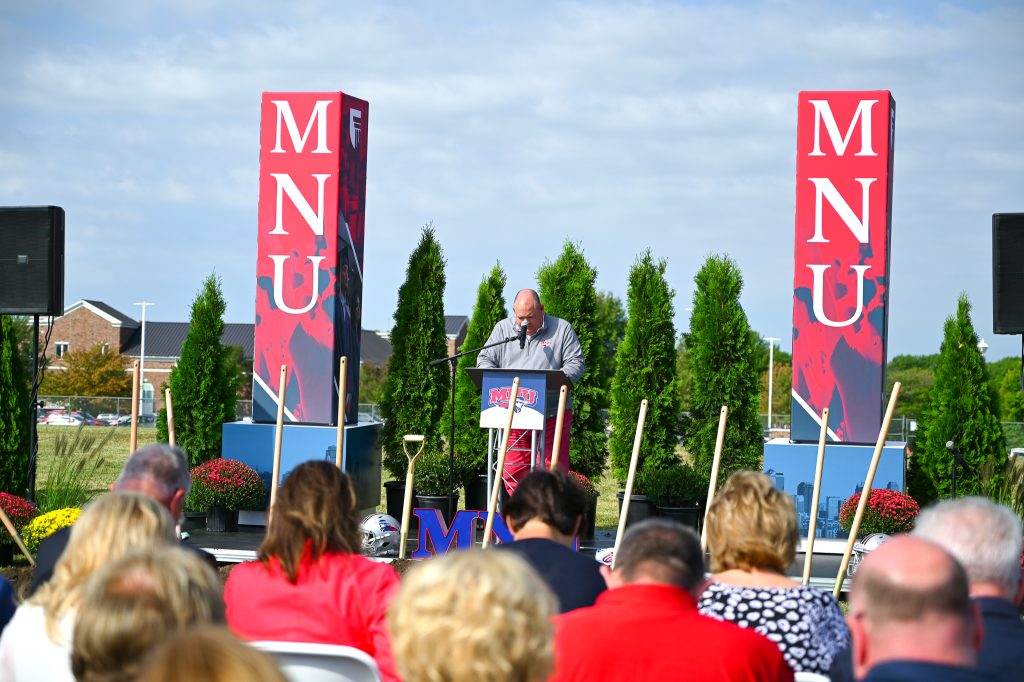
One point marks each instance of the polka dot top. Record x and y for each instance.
(805, 622)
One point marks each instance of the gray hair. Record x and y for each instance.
(983, 536)
(162, 464)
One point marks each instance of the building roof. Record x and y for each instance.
(455, 325)
(165, 339)
(115, 317)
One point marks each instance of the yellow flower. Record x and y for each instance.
(47, 524)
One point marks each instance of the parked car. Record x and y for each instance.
(147, 419)
(107, 419)
(64, 419)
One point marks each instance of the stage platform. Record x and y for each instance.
(232, 548)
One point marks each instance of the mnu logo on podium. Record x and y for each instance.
(496, 392)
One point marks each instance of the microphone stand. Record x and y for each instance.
(453, 360)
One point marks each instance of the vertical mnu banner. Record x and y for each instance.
(841, 279)
(309, 268)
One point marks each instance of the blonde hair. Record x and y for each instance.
(211, 654)
(108, 527)
(751, 524)
(476, 615)
(134, 603)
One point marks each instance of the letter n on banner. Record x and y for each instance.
(841, 280)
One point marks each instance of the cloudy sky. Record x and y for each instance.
(512, 127)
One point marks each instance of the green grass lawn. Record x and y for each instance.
(112, 455)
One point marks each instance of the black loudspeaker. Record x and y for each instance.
(32, 260)
(1008, 273)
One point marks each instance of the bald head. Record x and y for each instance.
(909, 601)
(528, 310)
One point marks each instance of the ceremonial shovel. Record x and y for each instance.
(407, 504)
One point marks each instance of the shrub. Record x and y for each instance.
(431, 475)
(887, 511)
(679, 485)
(227, 483)
(45, 525)
(15, 420)
(19, 511)
(585, 483)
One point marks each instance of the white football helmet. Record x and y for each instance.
(381, 535)
(862, 549)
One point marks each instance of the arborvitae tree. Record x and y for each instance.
(15, 416)
(610, 327)
(721, 358)
(567, 291)
(414, 392)
(204, 383)
(959, 409)
(646, 362)
(470, 439)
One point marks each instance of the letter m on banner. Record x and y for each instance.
(841, 278)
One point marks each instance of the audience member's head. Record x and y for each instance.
(109, 527)
(984, 537)
(315, 511)
(159, 471)
(210, 654)
(909, 602)
(659, 551)
(751, 525)
(136, 602)
(478, 615)
(546, 503)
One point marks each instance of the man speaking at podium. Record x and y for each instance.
(545, 342)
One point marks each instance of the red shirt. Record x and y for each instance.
(340, 599)
(654, 632)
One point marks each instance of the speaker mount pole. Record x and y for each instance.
(34, 448)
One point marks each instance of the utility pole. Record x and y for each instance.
(142, 349)
(771, 373)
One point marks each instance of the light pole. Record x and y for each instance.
(982, 347)
(771, 371)
(142, 348)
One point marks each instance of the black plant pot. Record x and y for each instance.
(221, 520)
(640, 508)
(589, 518)
(6, 554)
(444, 503)
(193, 521)
(476, 493)
(482, 496)
(690, 517)
(394, 493)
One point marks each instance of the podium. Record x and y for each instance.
(531, 412)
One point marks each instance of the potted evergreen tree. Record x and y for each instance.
(432, 484)
(677, 492)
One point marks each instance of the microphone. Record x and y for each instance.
(522, 336)
(951, 446)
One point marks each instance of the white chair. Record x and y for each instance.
(809, 677)
(302, 662)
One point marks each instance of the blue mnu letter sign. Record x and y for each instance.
(436, 538)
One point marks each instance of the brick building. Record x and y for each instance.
(85, 324)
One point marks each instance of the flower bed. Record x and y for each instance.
(585, 483)
(887, 511)
(227, 483)
(19, 511)
(47, 524)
